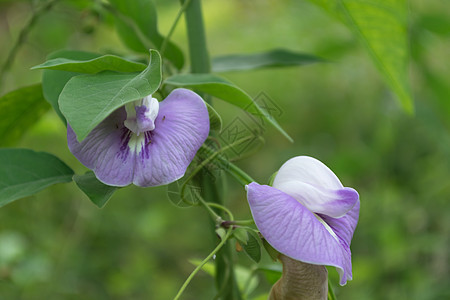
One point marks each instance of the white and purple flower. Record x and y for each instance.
(308, 215)
(146, 142)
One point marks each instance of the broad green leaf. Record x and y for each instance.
(86, 100)
(272, 58)
(222, 89)
(102, 63)
(215, 121)
(98, 192)
(53, 81)
(253, 248)
(139, 31)
(19, 110)
(382, 27)
(25, 172)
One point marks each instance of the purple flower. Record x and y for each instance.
(308, 214)
(145, 142)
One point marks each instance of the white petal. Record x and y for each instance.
(307, 170)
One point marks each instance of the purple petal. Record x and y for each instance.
(344, 227)
(296, 232)
(181, 128)
(334, 203)
(105, 150)
(119, 157)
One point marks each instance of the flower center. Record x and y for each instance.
(141, 114)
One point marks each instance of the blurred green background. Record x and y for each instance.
(57, 245)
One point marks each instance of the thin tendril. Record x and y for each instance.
(206, 161)
(22, 37)
(174, 25)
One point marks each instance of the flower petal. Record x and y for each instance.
(344, 227)
(315, 186)
(119, 157)
(181, 128)
(308, 170)
(105, 150)
(295, 231)
(334, 203)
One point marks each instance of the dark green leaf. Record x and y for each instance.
(382, 26)
(25, 172)
(221, 88)
(139, 31)
(272, 58)
(253, 248)
(53, 81)
(102, 63)
(98, 192)
(86, 100)
(19, 110)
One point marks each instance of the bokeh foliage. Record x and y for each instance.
(57, 245)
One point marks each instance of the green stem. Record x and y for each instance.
(222, 242)
(37, 13)
(238, 222)
(200, 63)
(331, 295)
(230, 168)
(198, 51)
(214, 215)
(198, 268)
(221, 207)
(212, 154)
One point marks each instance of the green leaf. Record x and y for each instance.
(25, 172)
(53, 81)
(86, 100)
(215, 121)
(253, 248)
(272, 58)
(139, 31)
(382, 27)
(19, 110)
(91, 66)
(221, 88)
(241, 235)
(98, 192)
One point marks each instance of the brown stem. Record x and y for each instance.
(300, 281)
